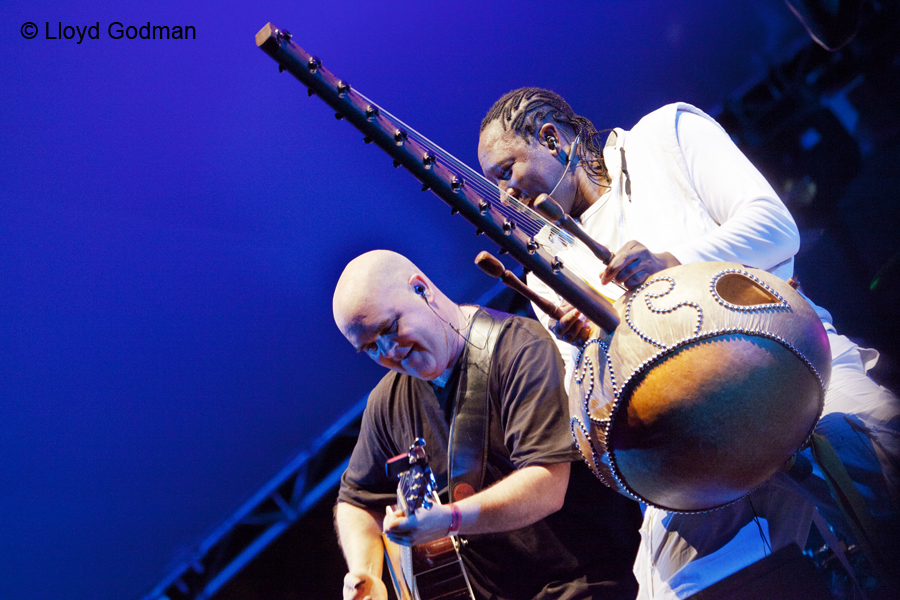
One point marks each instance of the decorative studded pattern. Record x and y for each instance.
(604, 352)
(618, 394)
(659, 311)
(607, 374)
(721, 332)
(594, 451)
(586, 448)
(782, 304)
(586, 373)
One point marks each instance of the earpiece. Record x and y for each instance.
(553, 146)
(420, 290)
(562, 157)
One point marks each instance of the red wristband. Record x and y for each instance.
(455, 520)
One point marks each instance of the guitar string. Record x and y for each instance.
(527, 219)
(524, 216)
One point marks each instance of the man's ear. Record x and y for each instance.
(549, 136)
(420, 287)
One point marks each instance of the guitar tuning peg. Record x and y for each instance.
(557, 265)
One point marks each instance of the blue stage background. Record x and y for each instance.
(174, 215)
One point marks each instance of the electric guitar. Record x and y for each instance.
(432, 571)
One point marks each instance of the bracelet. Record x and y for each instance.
(455, 520)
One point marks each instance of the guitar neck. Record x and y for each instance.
(466, 191)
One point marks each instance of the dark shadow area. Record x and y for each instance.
(305, 563)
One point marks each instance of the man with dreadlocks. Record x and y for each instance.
(674, 190)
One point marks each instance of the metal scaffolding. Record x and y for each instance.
(269, 512)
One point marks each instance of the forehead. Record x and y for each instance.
(363, 330)
(496, 143)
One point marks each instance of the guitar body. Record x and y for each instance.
(399, 564)
(432, 571)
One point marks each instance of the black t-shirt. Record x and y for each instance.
(585, 550)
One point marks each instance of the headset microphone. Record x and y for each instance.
(553, 144)
(567, 160)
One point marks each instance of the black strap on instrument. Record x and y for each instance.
(469, 436)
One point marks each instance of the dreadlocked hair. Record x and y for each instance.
(525, 110)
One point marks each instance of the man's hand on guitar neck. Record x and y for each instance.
(361, 586)
(425, 525)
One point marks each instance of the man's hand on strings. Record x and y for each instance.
(573, 328)
(633, 263)
(362, 586)
(426, 525)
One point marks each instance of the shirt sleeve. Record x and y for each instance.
(534, 410)
(365, 483)
(756, 228)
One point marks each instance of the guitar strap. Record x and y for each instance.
(469, 429)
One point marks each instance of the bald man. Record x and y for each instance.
(528, 534)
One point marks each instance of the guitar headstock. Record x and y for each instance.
(416, 487)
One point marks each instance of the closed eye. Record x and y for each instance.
(392, 329)
(384, 329)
